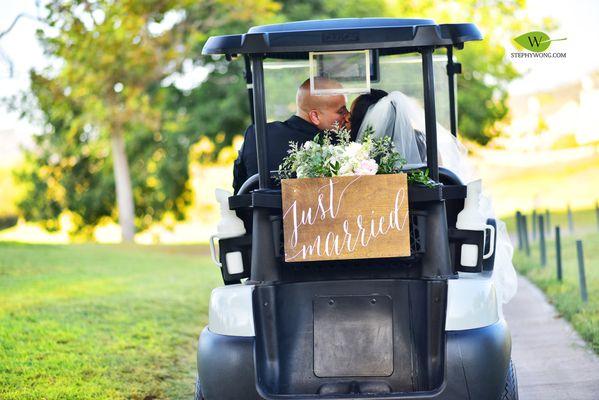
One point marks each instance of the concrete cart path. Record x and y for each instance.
(552, 361)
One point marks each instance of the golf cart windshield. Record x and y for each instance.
(401, 73)
(379, 37)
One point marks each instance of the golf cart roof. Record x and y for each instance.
(296, 39)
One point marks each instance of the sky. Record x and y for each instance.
(578, 21)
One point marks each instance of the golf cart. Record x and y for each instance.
(422, 326)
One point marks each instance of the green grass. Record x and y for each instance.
(100, 322)
(566, 295)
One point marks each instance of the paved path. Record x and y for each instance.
(552, 362)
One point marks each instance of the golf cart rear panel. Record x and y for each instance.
(476, 361)
(350, 336)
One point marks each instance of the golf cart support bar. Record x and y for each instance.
(260, 121)
(452, 69)
(430, 119)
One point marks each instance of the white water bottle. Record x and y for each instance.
(470, 218)
(229, 226)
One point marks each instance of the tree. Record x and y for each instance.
(111, 58)
(110, 88)
(482, 89)
(108, 92)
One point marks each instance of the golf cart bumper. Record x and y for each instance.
(476, 363)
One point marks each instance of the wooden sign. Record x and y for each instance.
(346, 217)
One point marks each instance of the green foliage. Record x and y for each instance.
(113, 75)
(219, 107)
(482, 88)
(332, 153)
(111, 81)
(101, 322)
(323, 9)
(421, 177)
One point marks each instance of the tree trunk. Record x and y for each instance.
(124, 192)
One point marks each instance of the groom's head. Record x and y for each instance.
(324, 110)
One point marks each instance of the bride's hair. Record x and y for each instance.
(359, 108)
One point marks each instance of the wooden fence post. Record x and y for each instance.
(542, 249)
(558, 253)
(519, 230)
(534, 225)
(581, 275)
(525, 231)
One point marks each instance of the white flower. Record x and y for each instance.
(300, 172)
(367, 167)
(308, 144)
(354, 150)
(347, 168)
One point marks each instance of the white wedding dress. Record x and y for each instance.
(402, 118)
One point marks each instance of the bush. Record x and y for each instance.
(7, 221)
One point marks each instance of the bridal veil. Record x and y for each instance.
(402, 118)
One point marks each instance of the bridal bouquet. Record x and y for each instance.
(332, 153)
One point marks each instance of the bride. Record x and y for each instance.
(401, 117)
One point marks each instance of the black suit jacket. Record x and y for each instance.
(278, 136)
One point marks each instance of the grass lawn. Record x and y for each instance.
(100, 322)
(566, 295)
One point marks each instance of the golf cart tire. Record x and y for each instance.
(511, 384)
(198, 392)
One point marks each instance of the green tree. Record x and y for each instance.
(106, 91)
(482, 88)
(113, 117)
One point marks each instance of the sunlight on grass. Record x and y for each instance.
(543, 187)
(102, 322)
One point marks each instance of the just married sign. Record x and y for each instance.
(346, 217)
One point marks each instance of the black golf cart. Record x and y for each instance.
(417, 327)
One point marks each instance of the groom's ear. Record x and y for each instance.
(313, 115)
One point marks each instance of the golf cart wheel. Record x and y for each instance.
(510, 392)
(198, 394)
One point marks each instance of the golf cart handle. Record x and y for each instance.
(491, 229)
(251, 183)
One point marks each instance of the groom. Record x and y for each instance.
(314, 114)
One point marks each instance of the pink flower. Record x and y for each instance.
(367, 167)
